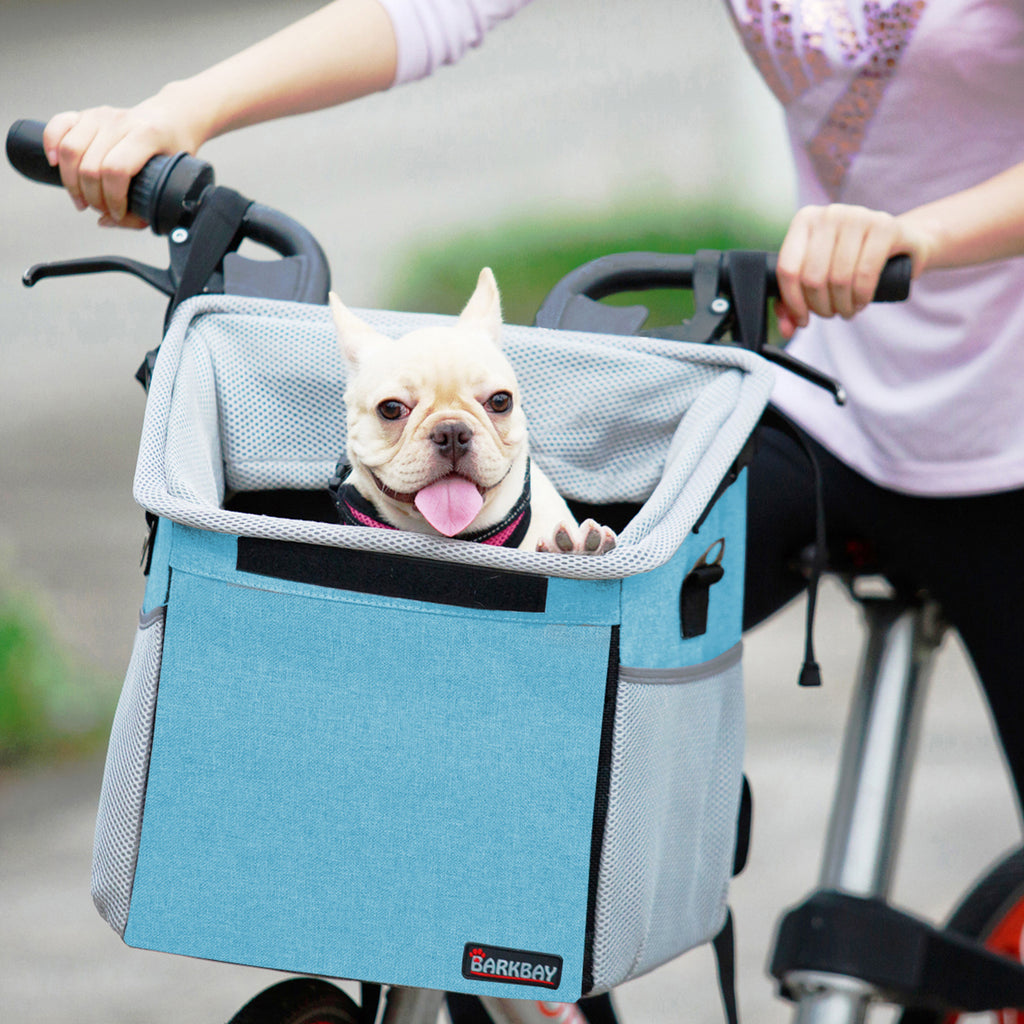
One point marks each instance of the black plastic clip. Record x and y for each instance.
(146, 561)
(695, 593)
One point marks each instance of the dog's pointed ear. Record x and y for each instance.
(484, 306)
(354, 335)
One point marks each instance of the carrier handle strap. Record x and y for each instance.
(724, 945)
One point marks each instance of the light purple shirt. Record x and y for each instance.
(435, 32)
(889, 104)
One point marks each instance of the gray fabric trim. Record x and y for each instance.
(147, 619)
(689, 674)
(248, 395)
(123, 793)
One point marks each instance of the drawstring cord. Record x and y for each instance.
(810, 672)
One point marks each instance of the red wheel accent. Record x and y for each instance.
(993, 913)
(1007, 939)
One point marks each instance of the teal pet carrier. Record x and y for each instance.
(382, 756)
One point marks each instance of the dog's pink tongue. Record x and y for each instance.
(449, 504)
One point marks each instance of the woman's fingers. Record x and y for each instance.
(830, 262)
(99, 151)
(793, 308)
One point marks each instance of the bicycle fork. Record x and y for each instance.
(871, 791)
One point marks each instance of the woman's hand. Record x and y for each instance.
(832, 257)
(99, 151)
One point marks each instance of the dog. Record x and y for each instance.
(437, 437)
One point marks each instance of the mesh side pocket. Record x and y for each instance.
(667, 852)
(123, 794)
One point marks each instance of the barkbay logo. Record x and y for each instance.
(511, 966)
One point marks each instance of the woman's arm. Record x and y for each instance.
(342, 51)
(832, 256)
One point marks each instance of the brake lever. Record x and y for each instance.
(163, 279)
(782, 358)
(153, 276)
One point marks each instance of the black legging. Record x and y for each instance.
(968, 553)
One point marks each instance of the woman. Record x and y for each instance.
(907, 130)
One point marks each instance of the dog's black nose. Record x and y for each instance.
(452, 437)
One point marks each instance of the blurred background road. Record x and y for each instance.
(572, 107)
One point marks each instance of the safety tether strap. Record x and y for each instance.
(724, 945)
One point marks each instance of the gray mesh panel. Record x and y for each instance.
(247, 394)
(668, 846)
(119, 821)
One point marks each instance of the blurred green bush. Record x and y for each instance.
(49, 704)
(531, 254)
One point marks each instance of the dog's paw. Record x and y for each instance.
(589, 538)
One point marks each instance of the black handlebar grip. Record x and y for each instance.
(26, 154)
(893, 283)
(163, 193)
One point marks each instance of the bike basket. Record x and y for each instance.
(375, 755)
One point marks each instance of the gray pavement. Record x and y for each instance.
(563, 111)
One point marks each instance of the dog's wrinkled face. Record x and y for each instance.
(436, 434)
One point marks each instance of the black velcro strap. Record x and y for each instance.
(414, 579)
(695, 597)
(215, 232)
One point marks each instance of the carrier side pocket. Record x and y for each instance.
(123, 794)
(670, 833)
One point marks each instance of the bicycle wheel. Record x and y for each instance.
(299, 1001)
(992, 912)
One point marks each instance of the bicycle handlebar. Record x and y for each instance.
(730, 289)
(646, 271)
(163, 193)
(168, 193)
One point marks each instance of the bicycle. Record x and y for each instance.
(931, 971)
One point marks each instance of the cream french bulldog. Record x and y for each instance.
(437, 437)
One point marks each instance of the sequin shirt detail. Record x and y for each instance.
(796, 46)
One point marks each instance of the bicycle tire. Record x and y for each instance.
(993, 913)
(299, 1001)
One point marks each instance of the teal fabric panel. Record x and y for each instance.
(360, 788)
(651, 636)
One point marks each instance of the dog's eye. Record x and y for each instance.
(392, 409)
(499, 402)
